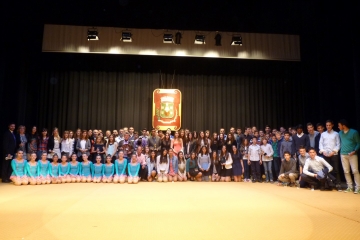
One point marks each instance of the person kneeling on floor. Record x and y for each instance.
(288, 172)
(315, 171)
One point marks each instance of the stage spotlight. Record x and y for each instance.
(236, 41)
(199, 39)
(218, 39)
(92, 35)
(178, 38)
(126, 37)
(168, 38)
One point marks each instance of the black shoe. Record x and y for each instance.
(253, 181)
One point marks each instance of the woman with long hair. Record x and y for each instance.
(18, 166)
(97, 170)
(74, 169)
(64, 170)
(32, 170)
(108, 170)
(221, 142)
(267, 153)
(166, 142)
(244, 148)
(215, 168)
(43, 169)
(190, 145)
(32, 141)
(173, 166)
(77, 138)
(226, 163)
(238, 165)
(55, 170)
(66, 144)
(192, 168)
(181, 167)
(43, 143)
(204, 162)
(230, 142)
(111, 147)
(214, 143)
(120, 169)
(54, 144)
(98, 148)
(162, 166)
(202, 141)
(176, 143)
(83, 145)
(22, 140)
(151, 165)
(133, 170)
(85, 169)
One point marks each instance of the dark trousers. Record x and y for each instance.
(334, 162)
(277, 165)
(255, 170)
(143, 173)
(6, 170)
(313, 181)
(246, 169)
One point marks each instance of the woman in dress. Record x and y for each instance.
(190, 145)
(85, 169)
(21, 140)
(18, 166)
(214, 143)
(177, 143)
(33, 138)
(66, 144)
(43, 143)
(221, 142)
(226, 165)
(244, 148)
(162, 166)
(55, 170)
(74, 169)
(120, 169)
(204, 163)
(32, 170)
(43, 169)
(230, 142)
(97, 170)
(65, 169)
(151, 165)
(173, 166)
(182, 135)
(98, 149)
(133, 170)
(215, 168)
(111, 147)
(181, 167)
(83, 145)
(72, 140)
(192, 168)
(166, 142)
(238, 165)
(267, 153)
(108, 170)
(54, 144)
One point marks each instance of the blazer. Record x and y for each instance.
(18, 141)
(9, 143)
(51, 143)
(87, 146)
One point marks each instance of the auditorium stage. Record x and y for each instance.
(188, 210)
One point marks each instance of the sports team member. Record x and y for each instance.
(85, 169)
(97, 169)
(54, 170)
(120, 169)
(74, 169)
(108, 170)
(133, 170)
(64, 170)
(32, 170)
(43, 169)
(18, 166)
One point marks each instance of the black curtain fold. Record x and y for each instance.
(111, 100)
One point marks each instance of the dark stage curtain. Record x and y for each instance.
(109, 100)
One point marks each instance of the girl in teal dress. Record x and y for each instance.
(74, 171)
(108, 170)
(120, 169)
(64, 170)
(133, 170)
(18, 165)
(85, 169)
(97, 169)
(43, 169)
(54, 170)
(32, 170)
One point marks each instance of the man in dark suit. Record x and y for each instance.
(9, 147)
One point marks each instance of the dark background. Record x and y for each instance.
(325, 84)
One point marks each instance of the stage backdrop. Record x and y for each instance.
(109, 100)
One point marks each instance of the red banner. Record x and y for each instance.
(166, 111)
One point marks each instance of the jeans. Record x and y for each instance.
(268, 170)
(351, 162)
(255, 170)
(277, 165)
(246, 169)
(334, 162)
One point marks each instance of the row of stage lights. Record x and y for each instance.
(126, 36)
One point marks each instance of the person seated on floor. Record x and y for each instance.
(302, 159)
(108, 170)
(288, 172)
(97, 169)
(133, 170)
(315, 171)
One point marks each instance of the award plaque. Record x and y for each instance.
(166, 111)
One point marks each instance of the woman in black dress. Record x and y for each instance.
(238, 165)
(166, 142)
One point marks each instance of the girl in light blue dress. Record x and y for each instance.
(108, 170)
(32, 170)
(18, 166)
(54, 170)
(97, 170)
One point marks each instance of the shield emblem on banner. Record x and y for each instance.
(167, 110)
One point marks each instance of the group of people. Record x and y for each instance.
(270, 155)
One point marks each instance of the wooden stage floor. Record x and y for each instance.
(190, 210)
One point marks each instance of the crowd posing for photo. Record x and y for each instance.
(282, 157)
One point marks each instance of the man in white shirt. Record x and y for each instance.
(254, 158)
(329, 146)
(313, 166)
